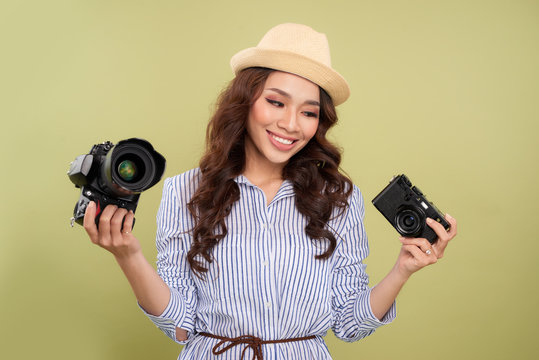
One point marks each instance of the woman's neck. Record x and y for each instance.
(259, 172)
(263, 173)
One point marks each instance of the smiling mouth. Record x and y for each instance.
(281, 140)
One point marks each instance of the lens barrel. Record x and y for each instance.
(132, 166)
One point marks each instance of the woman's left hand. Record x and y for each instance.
(416, 253)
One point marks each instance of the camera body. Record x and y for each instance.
(115, 174)
(407, 209)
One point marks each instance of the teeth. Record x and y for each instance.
(282, 141)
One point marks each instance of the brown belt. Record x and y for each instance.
(252, 342)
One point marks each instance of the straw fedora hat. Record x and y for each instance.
(296, 49)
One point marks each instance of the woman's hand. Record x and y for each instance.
(111, 235)
(416, 253)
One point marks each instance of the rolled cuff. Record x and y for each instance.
(366, 318)
(175, 315)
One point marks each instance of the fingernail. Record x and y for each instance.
(449, 216)
(429, 220)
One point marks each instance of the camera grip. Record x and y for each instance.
(99, 211)
(101, 201)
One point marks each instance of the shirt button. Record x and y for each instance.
(268, 304)
(265, 263)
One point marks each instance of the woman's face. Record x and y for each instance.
(283, 119)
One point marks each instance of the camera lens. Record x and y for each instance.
(131, 167)
(408, 222)
(135, 167)
(127, 170)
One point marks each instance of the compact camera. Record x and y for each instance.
(407, 209)
(115, 174)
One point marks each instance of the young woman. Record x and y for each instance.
(261, 248)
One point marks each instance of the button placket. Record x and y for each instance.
(269, 294)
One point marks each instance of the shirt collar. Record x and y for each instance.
(286, 189)
(240, 179)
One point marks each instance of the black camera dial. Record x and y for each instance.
(406, 180)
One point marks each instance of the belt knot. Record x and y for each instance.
(251, 341)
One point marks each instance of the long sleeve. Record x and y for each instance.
(350, 301)
(173, 221)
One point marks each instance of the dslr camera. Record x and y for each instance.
(115, 174)
(407, 209)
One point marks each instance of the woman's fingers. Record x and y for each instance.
(114, 231)
(117, 220)
(420, 257)
(421, 243)
(105, 238)
(453, 222)
(419, 252)
(444, 236)
(128, 223)
(89, 222)
(123, 241)
(442, 233)
(116, 227)
(439, 229)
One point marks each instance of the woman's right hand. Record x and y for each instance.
(151, 292)
(111, 235)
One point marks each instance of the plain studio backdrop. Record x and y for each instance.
(444, 91)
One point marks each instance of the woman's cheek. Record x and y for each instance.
(313, 129)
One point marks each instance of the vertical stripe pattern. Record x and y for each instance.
(264, 280)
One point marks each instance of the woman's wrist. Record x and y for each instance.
(129, 259)
(399, 274)
(384, 294)
(151, 292)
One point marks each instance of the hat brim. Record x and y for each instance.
(325, 77)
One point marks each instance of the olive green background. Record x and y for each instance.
(444, 91)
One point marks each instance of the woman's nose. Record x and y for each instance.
(289, 121)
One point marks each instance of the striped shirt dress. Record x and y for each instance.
(264, 280)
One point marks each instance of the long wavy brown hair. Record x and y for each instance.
(319, 186)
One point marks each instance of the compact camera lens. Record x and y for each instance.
(408, 222)
(127, 170)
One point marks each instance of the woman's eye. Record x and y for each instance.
(310, 114)
(275, 102)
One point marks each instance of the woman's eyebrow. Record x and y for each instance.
(285, 94)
